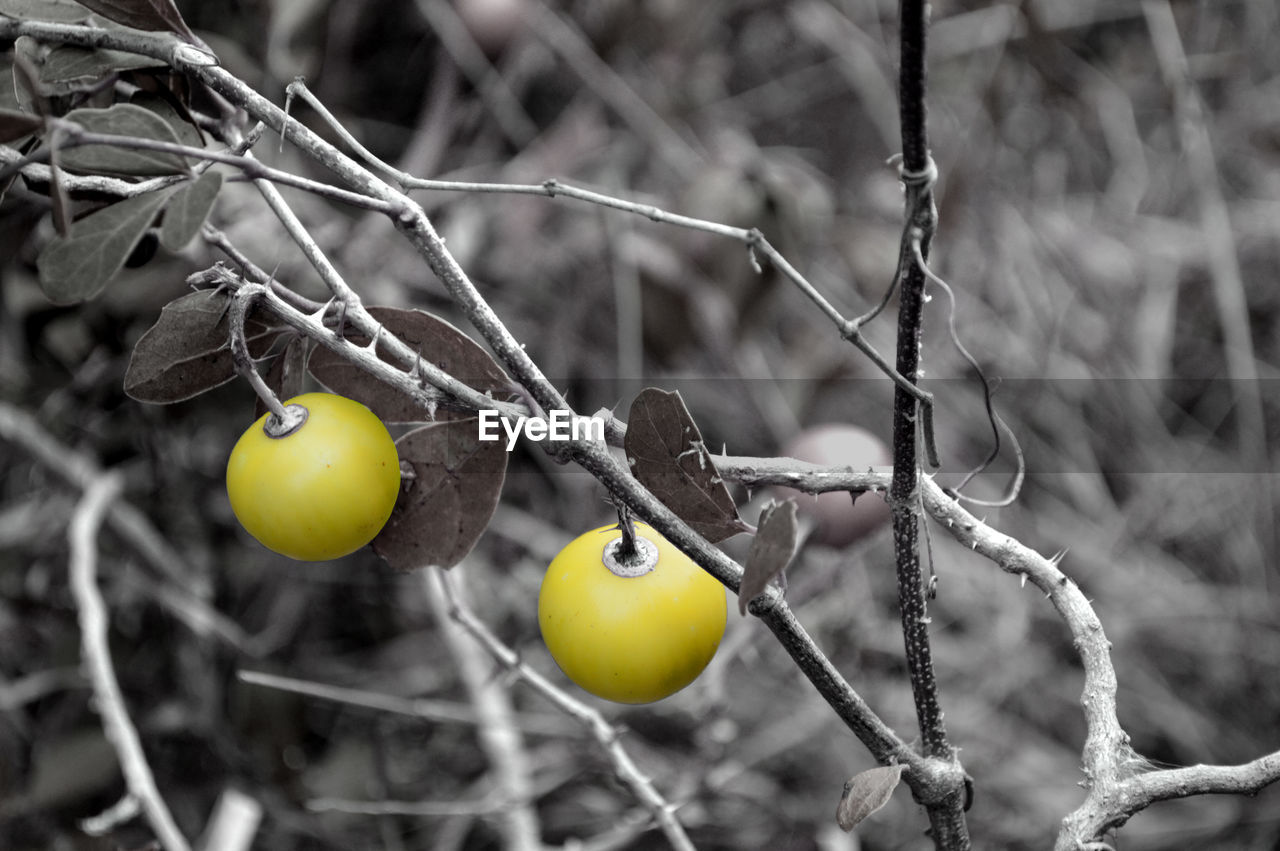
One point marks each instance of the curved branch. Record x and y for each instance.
(99, 495)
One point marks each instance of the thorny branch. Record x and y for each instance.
(946, 815)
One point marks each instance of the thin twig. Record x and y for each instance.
(997, 423)
(493, 805)
(494, 92)
(753, 239)
(444, 389)
(606, 734)
(119, 729)
(1229, 292)
(499, 736)
(253, 272)
(34, 686)
(79, 471)
(72, 136)
(566, 40)
(234, 823)
(439, 711)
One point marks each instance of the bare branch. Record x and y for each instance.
(606, 734)
(79, 471)
(234, 823)
(116, 724)
(441, 711)
(499, 735)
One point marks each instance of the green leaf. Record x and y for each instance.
(188, 210)
(188, 350)
(123, 119)
(79, 266)
(57, 11)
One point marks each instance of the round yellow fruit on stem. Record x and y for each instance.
(630, 639)
(322, 491)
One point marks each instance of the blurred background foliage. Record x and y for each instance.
(1095, 262)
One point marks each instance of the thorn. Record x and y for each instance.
(319, 315)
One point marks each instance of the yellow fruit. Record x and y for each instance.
(630, 639)
(322, 491)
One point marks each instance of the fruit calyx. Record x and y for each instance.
(277, 427)
(641, 560)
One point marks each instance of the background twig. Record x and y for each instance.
(83, 534)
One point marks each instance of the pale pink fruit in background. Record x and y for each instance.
(838, 520)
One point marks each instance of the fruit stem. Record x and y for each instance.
(630, 555)
(240, 304)
(278, 426)
(626, 550)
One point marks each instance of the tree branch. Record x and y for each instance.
(946, 815)
(119, 730)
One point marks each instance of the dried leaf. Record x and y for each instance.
(771, 550)
(446, 505)
(77, 267)
(14, 125)
(188, 350)
(287, 372)
(666, 454)
(189, 208)
(56, 11)
(130, 121)
(865, 793)
(151, 15)
(436, 340)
